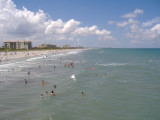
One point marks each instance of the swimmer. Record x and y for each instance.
(54, 67)
(52, 93)
(28, 72)
(47, 93)
(54, 86)
(82, 94)
(42, 82)
(41, 95)
(25, 81)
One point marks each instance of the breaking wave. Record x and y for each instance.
(112, 64)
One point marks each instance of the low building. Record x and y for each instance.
(17, 44)
(48, 46)
(66, 46)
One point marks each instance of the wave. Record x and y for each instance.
(73, 52)
(66, 53)
(112, 64)
(73, 77)
(35, 58)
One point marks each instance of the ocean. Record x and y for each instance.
(118, 84)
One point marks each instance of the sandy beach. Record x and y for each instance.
(6, 56)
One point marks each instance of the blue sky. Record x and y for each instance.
(89, 23)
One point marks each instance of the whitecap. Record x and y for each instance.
(35, 58)
(73, 77)
(112, 64)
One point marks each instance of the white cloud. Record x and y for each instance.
(25, 24)
(139, 34)
(136, 32)
(122, 24)
(133, 14)
(150, 23)
(111, 22)
(156, 29)
(85, 31)
(125, 23)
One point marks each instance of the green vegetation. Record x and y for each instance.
(35, 48)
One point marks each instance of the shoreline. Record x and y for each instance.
(10, 55)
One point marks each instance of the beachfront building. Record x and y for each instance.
(48, 46)
(17, 44)
(66, 46)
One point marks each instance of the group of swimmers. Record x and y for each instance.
(71, 64)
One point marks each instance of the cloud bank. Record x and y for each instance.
(139, 32)
(16, 24)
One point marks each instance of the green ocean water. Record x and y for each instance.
(125, 85)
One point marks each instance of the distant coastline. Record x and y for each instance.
(7, 55)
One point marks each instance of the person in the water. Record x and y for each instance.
(52, 93)
(82, 94)
(25, 81)
(42, 82)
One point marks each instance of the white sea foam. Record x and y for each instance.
(72, 52)
(35, 58)
(112, 64)
(73, 77)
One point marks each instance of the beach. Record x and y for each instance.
(6, 56)
(123, 84)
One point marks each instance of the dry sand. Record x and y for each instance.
(5, 56)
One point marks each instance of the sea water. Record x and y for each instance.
(119, 84)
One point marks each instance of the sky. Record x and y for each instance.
(88, 23)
